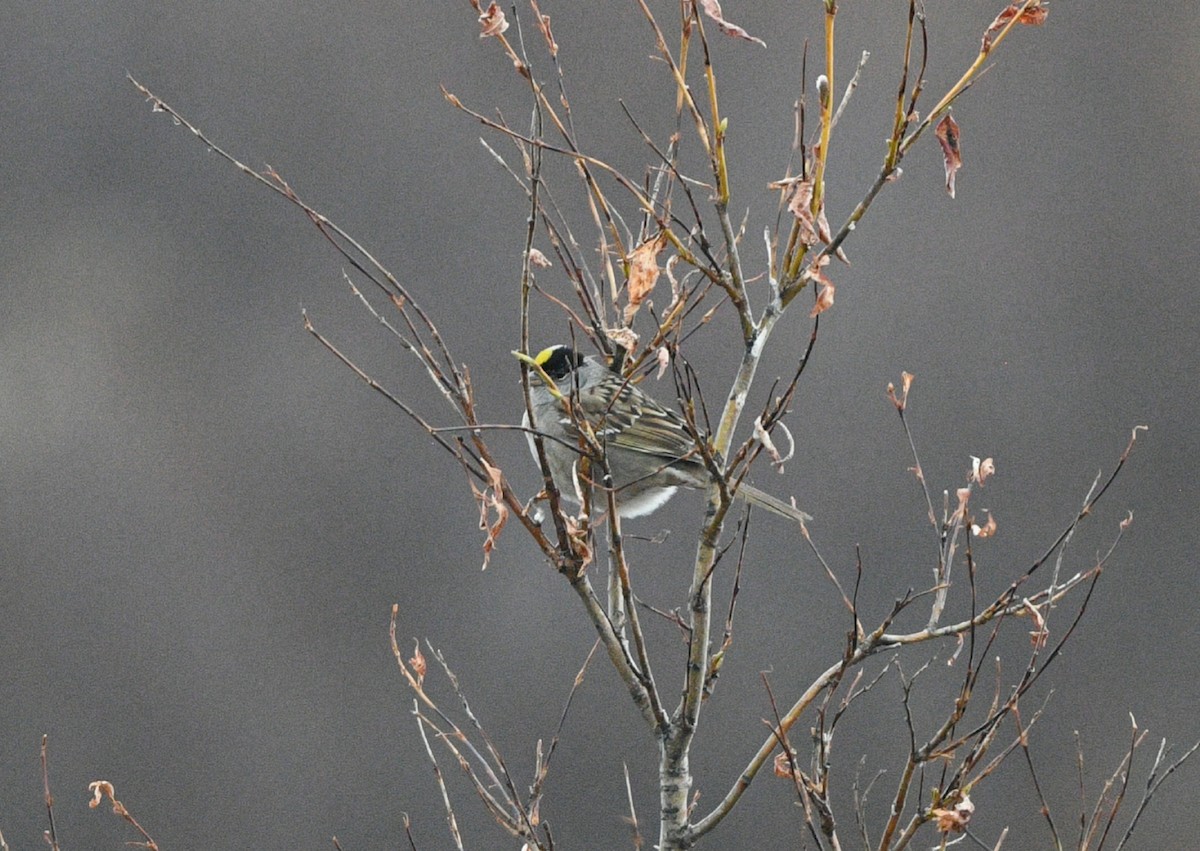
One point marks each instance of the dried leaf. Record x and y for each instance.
(417, 662)
(492, 22)
(987, 530)
(100, 788)
(495, 477)
(676, 285)
(543, 22)
(537, 258)
(713, 9)
(901, 401)
(643, 273)
(664, 361)
(493, 513)
(823, 231)
(783, 766)
(1034, 16)
(494, 530)
(954, 819)
(768, 445)
(947, 136)
(826, 234)
(981, 471)
(816, 274)
(580, 537)
(824, 300)
(800, 205)
(1039, 636)
(964, 495)
(813, 227)
(623, 337)
(784, 183)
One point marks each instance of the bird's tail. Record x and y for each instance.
(763, 499)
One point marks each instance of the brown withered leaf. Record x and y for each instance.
(1034, 16)
(964, 496)
(955, 818)
(987, 530)
(799, 205)
(580, 539)
(492, 22)
(947, 136)
(901, 400)
(824, 300)
(823, 226)
(983, 470)
(417, 662)
(816, 274)
(100, 788)
(813, 227)
(783, 766)
(713, 9)
(543, 22)
(493, 513)
(1039, 636)
(643, 273)
(537, 258)
(626, 338)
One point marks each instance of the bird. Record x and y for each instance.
(648, 450)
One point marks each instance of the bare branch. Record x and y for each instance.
(1153, 781)
(48, 798)
(451, 820)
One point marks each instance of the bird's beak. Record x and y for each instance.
(536, 368)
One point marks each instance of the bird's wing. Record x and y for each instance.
(636, 423)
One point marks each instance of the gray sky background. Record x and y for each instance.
(205, 519)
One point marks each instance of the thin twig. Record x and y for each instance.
(505, 780)
(48, 798)
(1153, 781)
(862, 63)
(632, 819)
(407, 822)
(539, 781)
(451, 820)
(1003, 606)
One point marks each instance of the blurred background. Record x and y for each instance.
(205, 519)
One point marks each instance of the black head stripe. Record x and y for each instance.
(559, 361)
